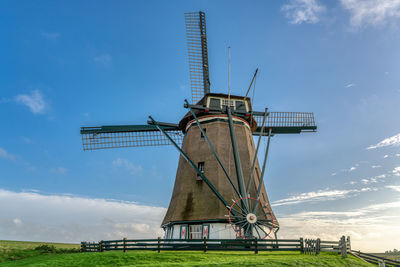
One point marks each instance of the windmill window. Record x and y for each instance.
(240, 106)
(195, 231)
(200, 166)
(201, 133)
(226, 101)
(215, 103)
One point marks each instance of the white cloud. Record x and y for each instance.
(321, 195)
(352, 169)
(365, 181)
(17, 221)
(333, 174)
(59, 170)
(397, 155)
(133, 169)
(61, 218)
(396, 171)
(51, 35)
(303, 11)
(34, 101)
(357, 223)
(375, 166)
(385, 156)
(103, 59)
(5, 155)
(391, 141)
(371, 12)
(349, 85)
(394, 187)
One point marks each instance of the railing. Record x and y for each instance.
(375, 259)
(307, 246)
(315, 246)
(195, 244)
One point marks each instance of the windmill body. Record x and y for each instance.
(219, 191)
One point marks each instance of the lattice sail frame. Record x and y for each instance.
(93, 138)
(287, 122)
(198, 54)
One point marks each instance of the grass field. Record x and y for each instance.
(32, 257)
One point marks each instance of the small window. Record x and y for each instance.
(200, 166)
(226, 101)
(215, 103)
(240, 106)
(195, 231)
(201, 133)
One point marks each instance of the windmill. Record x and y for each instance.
(219, 190)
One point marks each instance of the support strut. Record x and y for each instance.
(249, 183)
(212, 149)
(191, 163)
(238, 165)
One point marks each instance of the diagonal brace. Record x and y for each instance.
(238, 164)
(263, 167)
(191, 163)
(212, 149)
(249, 183)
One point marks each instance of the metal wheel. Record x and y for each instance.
(252, 221)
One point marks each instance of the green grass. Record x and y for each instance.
(16, 250)
(173, 258)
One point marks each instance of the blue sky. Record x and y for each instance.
(70, 64)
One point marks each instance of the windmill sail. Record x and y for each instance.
(103, 137)
(285, 122)
(198, 54)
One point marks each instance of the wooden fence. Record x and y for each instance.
(375, 259)
(307, 246)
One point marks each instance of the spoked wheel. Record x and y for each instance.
(248, 218)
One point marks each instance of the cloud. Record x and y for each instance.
(385, 156)
(394, 187)
(51, 35)
(303, 11)
(59, 170)
(396, 171)
(5, 155)
(352, 169)
(103, 59)
(133, 169)
(61, 218)
(349, 85)
(375, 166)
(372, 228)
(34, 101)
(321, 195)
(391, 141)
(371, 12)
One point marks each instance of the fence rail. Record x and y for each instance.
(376, 259)
(307, 246)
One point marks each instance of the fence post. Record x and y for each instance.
(83, 246)
(318, 245)
(256, 246)
(342, 243)
(124, 244)
(205, 244)
(348, 242)
(301, 245)
(159, 244)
